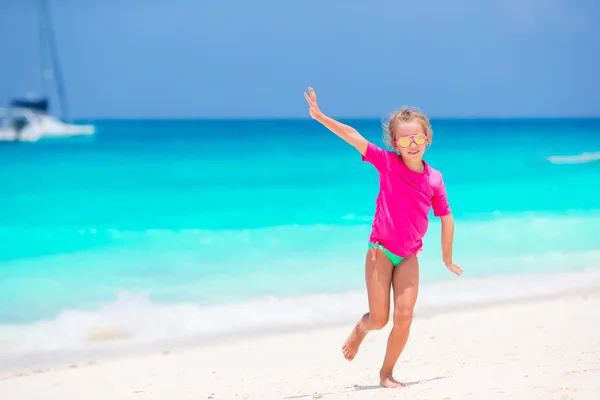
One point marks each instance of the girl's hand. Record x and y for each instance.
(312, 103)
(454, 268)
(345, 132)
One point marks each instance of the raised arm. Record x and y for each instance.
(347, 133)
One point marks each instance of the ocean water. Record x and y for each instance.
(158, 231)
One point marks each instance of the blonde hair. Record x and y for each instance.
(405, 114)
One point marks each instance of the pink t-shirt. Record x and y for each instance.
(404, 201)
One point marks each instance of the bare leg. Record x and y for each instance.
(405, 282)
(378, 275)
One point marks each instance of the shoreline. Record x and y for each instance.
(63, 359)
(511, 349)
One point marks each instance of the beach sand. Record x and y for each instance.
(536, 349)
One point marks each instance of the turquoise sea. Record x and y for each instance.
(154, 232)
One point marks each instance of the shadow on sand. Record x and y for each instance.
(355, 388)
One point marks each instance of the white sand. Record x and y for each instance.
(543, 349)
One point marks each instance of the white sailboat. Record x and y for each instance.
(29, 119)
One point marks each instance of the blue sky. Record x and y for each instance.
(227, 58)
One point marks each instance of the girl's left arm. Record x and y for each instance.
(447, 240)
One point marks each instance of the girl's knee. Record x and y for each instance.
(378, 321)
(403, 316)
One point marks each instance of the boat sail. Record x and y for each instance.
(30, 119)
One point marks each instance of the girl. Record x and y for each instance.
(409, 188)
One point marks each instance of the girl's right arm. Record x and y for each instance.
(347, 133)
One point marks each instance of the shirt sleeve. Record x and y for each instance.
(439, 202)
(376, 156)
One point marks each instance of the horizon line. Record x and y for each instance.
(355, 118)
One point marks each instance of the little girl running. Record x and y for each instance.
(409, 188)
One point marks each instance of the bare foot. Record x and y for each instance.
(388, 381)
(351, 345)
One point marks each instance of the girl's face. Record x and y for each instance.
(410, 140)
